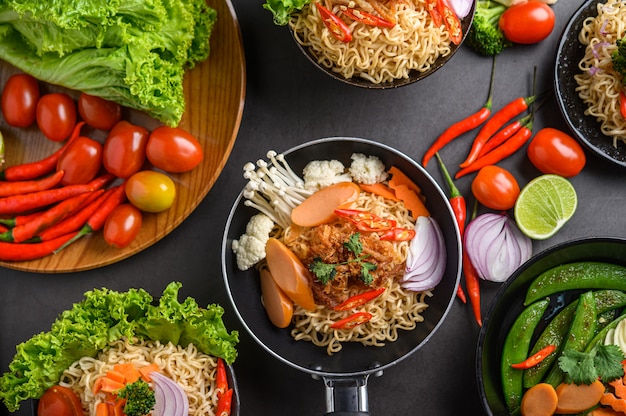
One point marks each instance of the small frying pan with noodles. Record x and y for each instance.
(346, 372)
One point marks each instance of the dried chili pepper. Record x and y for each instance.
(463, 126)
(536, 358)
(10, 188)
(353, 320)
(96, 221)
(360, 299)
(23, 251)
(366, 18)
(335, 25)
(459, 208)
(34, 170)
(506, 149)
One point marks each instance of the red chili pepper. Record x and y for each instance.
(503, 151)
(398, 234)
(535, 359)
(337, 27)
(3, 228)
(472, 284)
(359, 300)
(48, 218)
(97, 219)
(221, 381)
(75, 222)
(20, 219)
(463, 126)
(622, 103)
(33, 170)
(10, 188)
(366, 221)
(501, 117)
(451, 21)
(388, 14)
(353, 320)
(23, 252)
(435, 14)
(366, 18)
(503, 135)
(224, 403)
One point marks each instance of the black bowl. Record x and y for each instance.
(414, 75)
(508, 303)
(586, 128)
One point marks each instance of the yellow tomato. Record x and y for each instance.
(150, 191)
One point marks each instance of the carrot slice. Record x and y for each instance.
(605, 411)
(379, 189)
(575, 398)
(128, 371)
(539, 400)
(102, 409)
(277, 304)
(146, 370)
(116, 376)
(399, 178)
(320, 207)
(289, 273)
(412, 201)
(110, 386)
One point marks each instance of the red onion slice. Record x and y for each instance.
(171, 399)
(426, 260)
(461, 7)
(495, 246)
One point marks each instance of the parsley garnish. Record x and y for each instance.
(602, 361)
(326, 272)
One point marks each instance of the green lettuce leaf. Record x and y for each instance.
(104, 316)
(282, 9)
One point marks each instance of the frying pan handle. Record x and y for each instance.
(346, 396)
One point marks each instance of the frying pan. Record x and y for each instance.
(345, 373)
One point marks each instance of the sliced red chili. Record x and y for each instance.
(536, 358)
(353, 320)
(366, 221)
(337, 27)
(622, 103)
(366, 18)
(360, 299)
(221, 381)
(452, 22)
(398, 234)
(433, 10)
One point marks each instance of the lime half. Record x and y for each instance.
(544, 205)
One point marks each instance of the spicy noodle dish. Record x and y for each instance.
(603, 68)
(376, 40)
(344, 253)
(121, 354)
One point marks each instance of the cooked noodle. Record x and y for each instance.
(376, 54)
(396, 309)
(599, 85)
(192, 370)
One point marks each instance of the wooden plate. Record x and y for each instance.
(215, 92)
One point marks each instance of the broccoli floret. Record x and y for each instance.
(485, 36)
(618, 57)
(139, 397)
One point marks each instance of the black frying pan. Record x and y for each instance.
(345, 373)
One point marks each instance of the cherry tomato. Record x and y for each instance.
(122, 225)
(528, 22)
(125, 149)
(553, 151)
(59, 401)
(172, 149)
(150, 191)
(81, 161)
(495, 188)
(98, 112)
(56, 116)
(19, 100)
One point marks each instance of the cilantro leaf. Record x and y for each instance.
(366, 276)
(323, 271)
(608, 361)
(602, 361)
(354, 244)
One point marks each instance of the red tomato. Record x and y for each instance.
(56, 116)
(81, 161)
(125, 149)
(172, 149)
(59, 401)
(553, 151)
(122, 225)
(150, 191)
(19, 100)
(495, 188)
(528, 22)
(98, 112)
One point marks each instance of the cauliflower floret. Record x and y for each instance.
(250, 248)
(367, 169)
(322, 173)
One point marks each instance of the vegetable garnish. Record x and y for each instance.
(360, 299)
(602, 361)
(325, 272)
(536, 358)
(495, 246)
(141, 63)
(353, 320)
(485, 35)
(171, 399)
(335, 25)
(426, 260)
(104, 316)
